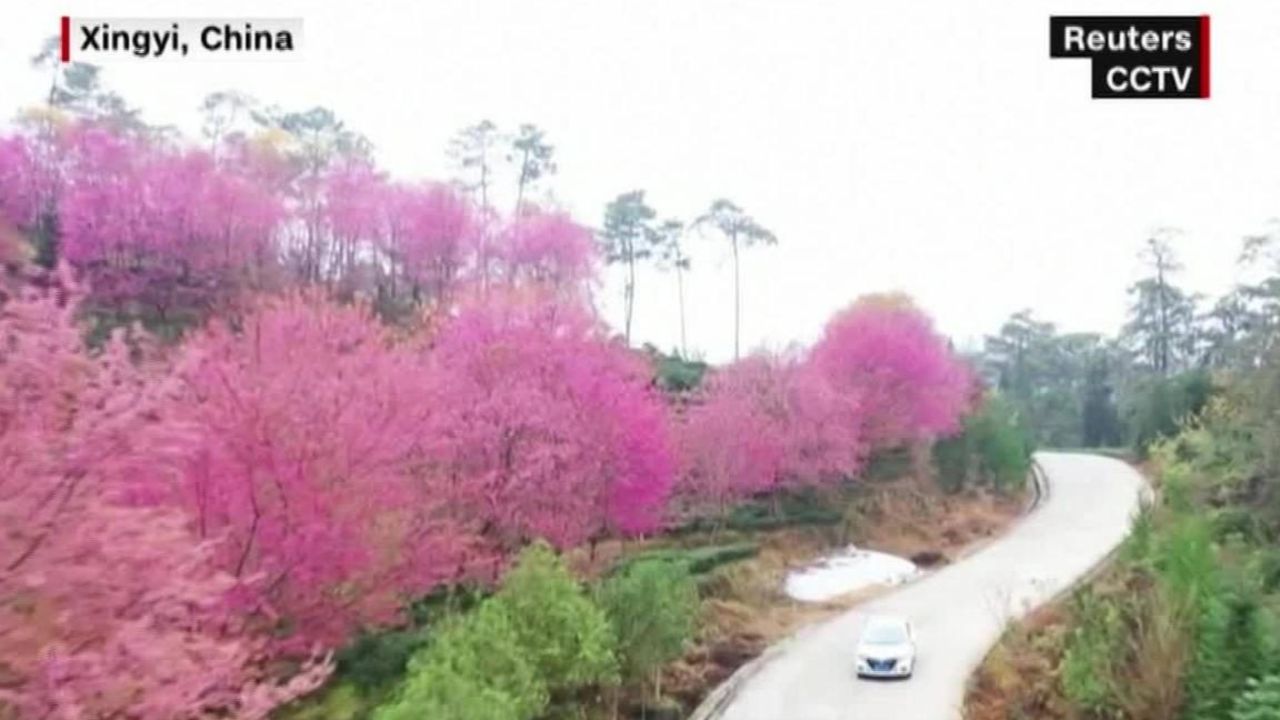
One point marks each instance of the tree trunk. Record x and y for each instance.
(737, 298)
(524, 174)
(630, 295)
(484, 230)
(684, 346)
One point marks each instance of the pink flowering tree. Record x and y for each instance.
(20, 192)
(885, 352)
(161, 235)
(730, 448)
(763, 424)
(547, 249)
(544, 428)
(309, 422)
(354, 197)
(107, 608)
(429, 239)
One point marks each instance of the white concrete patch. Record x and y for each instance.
(851, 569)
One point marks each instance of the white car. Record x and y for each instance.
(887, 648)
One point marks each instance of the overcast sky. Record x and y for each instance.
(932, 148)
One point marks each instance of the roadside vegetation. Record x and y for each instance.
(1182, 623)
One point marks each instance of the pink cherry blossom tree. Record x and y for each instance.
(159, 233)
(20, 192)
(543, 427)
(108, 608)
(766, 423)
(430, 241)
(885, 351)
(548, 249)
(309, 422)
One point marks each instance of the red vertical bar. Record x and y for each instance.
(66, 39)
(1204, 56)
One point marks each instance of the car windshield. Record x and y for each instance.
(885, 634)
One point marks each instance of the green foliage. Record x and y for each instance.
(1088, 669)
(505, 659)
(652, 607)
(1231, 648)
(1260, 702)
(993, 445)
(561, 631)
(1267, 568)
(441, 693)
(1237, 522)
(1160, 406)
(674, 373)
(477, 667)
(695, 561)
(1062, 386)
(1187, 562)
(780, 509)
(375, 660)
(953, 458)
(887, 464)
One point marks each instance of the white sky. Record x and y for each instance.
(927, 147)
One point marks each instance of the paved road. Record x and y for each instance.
(958, 612)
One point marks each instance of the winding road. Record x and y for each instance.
(959, 611)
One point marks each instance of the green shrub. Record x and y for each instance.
(888, 464)
(697, 561)
(1267, 567)
(562, 632)
(675, 374)
(1231, 648)
(992, 443)
(446, 602)
(953, 459)
(1088, 670)
(652, 608)
(1161, 405)
(1236, 521)
(375, 660)
(1261, 701)
(477, 667)
(1003, 445)
(440, 692)
(783, 509)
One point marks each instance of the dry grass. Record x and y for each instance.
(1018, 678)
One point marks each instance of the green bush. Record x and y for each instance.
(1261, 701)
(1267, 568)
(1161, 405)
(992, 443)
(1236, 521)
(652, 608)
(888, 464)
(696, 561)
(562, 632)
(1088, 669)
(783, 509)
(953, 459)
(374, 660)
(675, 374)
(1231, 648)
(476, 668)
